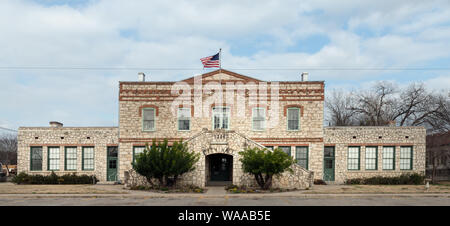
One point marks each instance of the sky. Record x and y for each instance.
(61, 60)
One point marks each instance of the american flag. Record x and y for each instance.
(211, 61)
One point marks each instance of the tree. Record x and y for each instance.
(339, 106)
(264, 164)
(8, 150)
(376, 107)
(165, 163)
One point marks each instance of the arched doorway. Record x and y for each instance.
(219, 169)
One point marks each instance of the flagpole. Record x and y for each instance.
(220, 59)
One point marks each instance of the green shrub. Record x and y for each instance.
(319, 182)
(264, 164)
(23, 178)
(165, 163)
(406, 178)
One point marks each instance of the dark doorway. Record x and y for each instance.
(220, 167)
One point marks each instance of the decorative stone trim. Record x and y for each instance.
(149, 106)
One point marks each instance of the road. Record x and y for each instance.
(227, 201)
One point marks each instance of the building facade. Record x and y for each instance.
(219, 114)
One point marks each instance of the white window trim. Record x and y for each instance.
(229, 117)
(287, 119)
(178, 120)
(253, 118)
(154, 119)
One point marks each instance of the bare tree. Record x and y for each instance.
(376, 107)
(8, 150)
(339, 106)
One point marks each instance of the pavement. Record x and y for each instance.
(217, 196)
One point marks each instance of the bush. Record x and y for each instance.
(165, 163)
(264, 164)
(407, 178)
(24, 178)
(319, 182)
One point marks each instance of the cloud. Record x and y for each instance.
(163, 34)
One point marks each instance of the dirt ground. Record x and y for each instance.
(378, 189)
(11, 188)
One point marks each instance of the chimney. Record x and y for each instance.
(141, 77)
(55, 124)
(304, 76)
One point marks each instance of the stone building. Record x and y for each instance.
(219, 114)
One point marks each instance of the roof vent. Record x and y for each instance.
(305, 76)
(55, 124)
(141, 77)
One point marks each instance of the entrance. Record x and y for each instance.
(328, 164)
(111, 164)
(220, 167)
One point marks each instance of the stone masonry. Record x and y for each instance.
(167, 97)
(98, 137)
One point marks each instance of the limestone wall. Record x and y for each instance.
(229, 142)
(98, 137)
(343, 137)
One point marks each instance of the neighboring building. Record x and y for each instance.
(285, 114)
(438, 156)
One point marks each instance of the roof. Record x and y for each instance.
(233, 76)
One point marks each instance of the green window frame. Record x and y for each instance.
(293, 119)
(388, 158)
(258, 119)
(53, 158)
(70, 158)
(301, 155)
(184, 119)
(88, 154)
(371, 158)
(286, 149)
(148, 119)
(221, 118)
(406, 158)
(137, 150)
(353, 158)
(36, 159)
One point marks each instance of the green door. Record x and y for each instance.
(111, 164)
(328, 164)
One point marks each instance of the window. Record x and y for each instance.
(36, 158)
(53, 158)
(221, 117)
(269, 147)
(70, 160)
(286, 149)
(388, 158)
(88, 158)
(259, 119)
(148, 119)
(371, 158)
(353, 158)
(406, 158)
(184, 119)
(136, 151)
(293, 118)
(301, 155)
